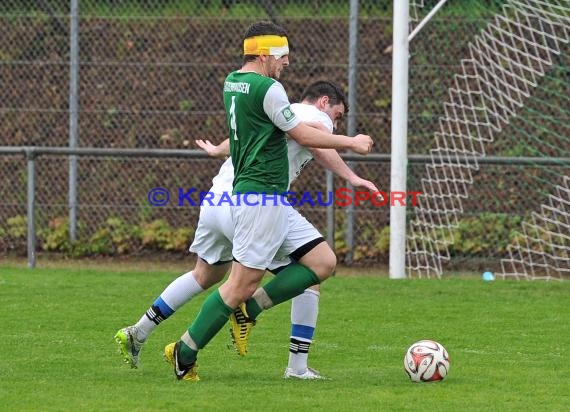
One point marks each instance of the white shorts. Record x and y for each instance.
(259, 230)
(213, 236)
(300, 233)
(215, 232)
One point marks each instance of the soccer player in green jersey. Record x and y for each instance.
(259, 114)
(323, 104)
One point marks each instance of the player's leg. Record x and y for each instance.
(303, 243)
(179, 292)
(212, 317)
(317, 255)
(214, 251)
(258, 232)
(296, 278)
(310, 249)
(131, 338)
(304, 314)
(314, 262)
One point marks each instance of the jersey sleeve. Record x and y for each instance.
(309, 113)
(278, 109)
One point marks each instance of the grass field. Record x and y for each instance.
(508, 342)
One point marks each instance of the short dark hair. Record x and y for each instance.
(322, 88)
(259, 29)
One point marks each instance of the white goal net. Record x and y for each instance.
(512, 89)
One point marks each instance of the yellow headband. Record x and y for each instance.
(266, 45)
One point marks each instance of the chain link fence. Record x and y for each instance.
(149, 75)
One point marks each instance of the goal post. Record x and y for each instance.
(399, 163)
(399, 131)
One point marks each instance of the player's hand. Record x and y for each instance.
(366, 185)
(362, 144)
(210, 148)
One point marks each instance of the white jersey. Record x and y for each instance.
(298, 155)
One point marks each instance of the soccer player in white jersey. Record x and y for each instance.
(322, 102)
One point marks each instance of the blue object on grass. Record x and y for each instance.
(488, 276)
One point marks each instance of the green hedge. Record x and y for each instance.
(481, 236)
(114, 237)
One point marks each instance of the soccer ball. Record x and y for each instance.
(426, 361)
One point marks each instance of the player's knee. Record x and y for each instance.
(233, 294)
(208, 279)
(321, 260)
(328, 265)
(240, 292)
(208, 275)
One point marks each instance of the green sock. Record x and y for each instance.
(252, 308)
(187, 354)
(290, 282)
(212, 317)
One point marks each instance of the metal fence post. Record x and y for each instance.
(31, 200)
(330, 209)
(73, 115)
(351, 123)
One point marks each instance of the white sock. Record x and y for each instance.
(176, 294)
(304, 313)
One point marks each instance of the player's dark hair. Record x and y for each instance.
(322, 88)
(259, 29)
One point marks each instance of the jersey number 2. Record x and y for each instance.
(233, 125)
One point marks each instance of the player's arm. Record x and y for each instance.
(221, 151)
(311, 137)
(317, 125)
(331, 160)
(277, 107)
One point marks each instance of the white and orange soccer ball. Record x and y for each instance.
(426, 361)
